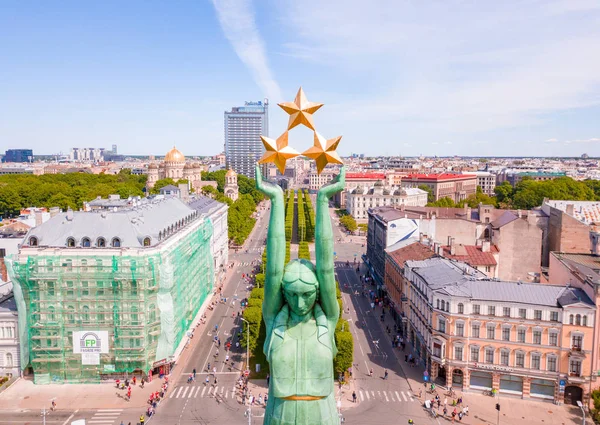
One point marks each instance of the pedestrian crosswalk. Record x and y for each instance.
(201, 391)
(105, 416)
(388, 396)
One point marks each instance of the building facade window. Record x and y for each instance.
(535, 361)
(570, 319)
(504, 355)
(520, 359)
(474, 354)
(553, 338)
(521, 334)
(554, 316)
(458, 353)
(575, 367)
(578, 320)
(33, 241)
(476, 308)
(475, 330)
(491, 310)
(9, 360)
(71, 242)
(116, 243)
(441, 325)
(537, 337)
(506, 311)
(460, 329)
(577, 342)
(584, 321)
(551, 364)
(461, 308)
(506, 333)
(489, 355)
(100, 242)
(523, 313)
(537, 314)
(491, 331)
(86, 243)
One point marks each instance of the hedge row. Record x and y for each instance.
(287, 251)
(301, 218)
(303, 251)
(289, 215)
(343, 340)
(309, 213)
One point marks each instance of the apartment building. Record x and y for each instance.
(486, 181)
(523, 339)
(454, 186)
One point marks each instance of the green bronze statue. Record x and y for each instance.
(300, 311)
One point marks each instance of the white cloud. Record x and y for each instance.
(238, 23)
(592, 140)
(551, 140)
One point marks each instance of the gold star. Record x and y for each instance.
(277, 151)
(300, 110)
(323, 151)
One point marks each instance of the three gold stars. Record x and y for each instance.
(323, 151)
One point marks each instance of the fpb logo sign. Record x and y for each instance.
(90, 342)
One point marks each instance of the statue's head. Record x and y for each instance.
(300, 286)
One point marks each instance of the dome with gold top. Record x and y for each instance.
(174, 155)
(230, 173)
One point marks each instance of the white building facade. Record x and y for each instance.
(360, 199)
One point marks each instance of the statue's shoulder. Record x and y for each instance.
(281, 321)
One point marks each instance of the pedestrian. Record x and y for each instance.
(354, 396)
(268, 379)
(215, 381)
(371, 372)
(208, 367)
(385, 374)
(445, 401)
(445, 411)
(266, 398)
(53, 408)
(214, 370)
(438, 403)
(134, 380)
(142, 420)
(128, 393)
(194, 372)
(206, 381)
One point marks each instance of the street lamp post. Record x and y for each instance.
(247, 343)
(580, 404)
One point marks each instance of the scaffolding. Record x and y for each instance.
(145, 298)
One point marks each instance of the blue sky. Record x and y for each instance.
(433, 78)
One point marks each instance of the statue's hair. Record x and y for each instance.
(299, 269)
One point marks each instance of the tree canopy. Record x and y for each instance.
(64, 190)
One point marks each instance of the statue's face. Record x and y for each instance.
(300, 287)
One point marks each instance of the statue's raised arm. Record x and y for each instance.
(324, 248)
(273, 298)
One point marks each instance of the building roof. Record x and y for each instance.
(130, 225)
(586, 266)
(439, 177)
(506, 218)
(206, 205)
(8, 305)
(407, 250)
(174, 155)
(386, 214)
(587, 212)
(472, 254)
(169, 188)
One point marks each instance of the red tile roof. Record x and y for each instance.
(436, 177)
(472, 255)
(414, 251)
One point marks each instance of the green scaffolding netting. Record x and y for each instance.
(145, 298)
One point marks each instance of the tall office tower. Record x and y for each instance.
(243, 127)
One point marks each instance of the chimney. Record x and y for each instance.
(519, 213)
(595, 241)
(485, 246)
(570, 209)
(440, 251)
(54, 211)
(452, 249)
(70, 214)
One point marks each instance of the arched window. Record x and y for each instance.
(438, 304)
(571, 319)
(578, 319)
(116, 243)
(584, 321)
(448, 306)
(86, 242)
(71, 314)
(86, 314)
(461, 308)
(70, 242)
(33, 241)
(152, 313)
(146, 241)
(100, 242)
(443, 305)
(9, 360)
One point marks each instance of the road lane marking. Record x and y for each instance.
(197, 391)
(362, 397)
(392, 396)
(411, 397)
(203, 390)
(184, 392)
(373, 394)
(178, 392)
(386, 397)
(404, 396)
(367, 393)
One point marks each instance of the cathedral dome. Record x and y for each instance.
(188, 166)
(231, 173)
(153, 166)
(174, 156)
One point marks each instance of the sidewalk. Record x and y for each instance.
(482, 409)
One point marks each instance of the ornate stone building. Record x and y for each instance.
(175, 166)
(231, 187)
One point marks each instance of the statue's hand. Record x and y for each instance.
(336, 185)
(269, 189)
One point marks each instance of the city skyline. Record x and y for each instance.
(403, 80)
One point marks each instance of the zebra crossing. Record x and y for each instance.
(388, 396)
(201, 391)
(105, 416)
